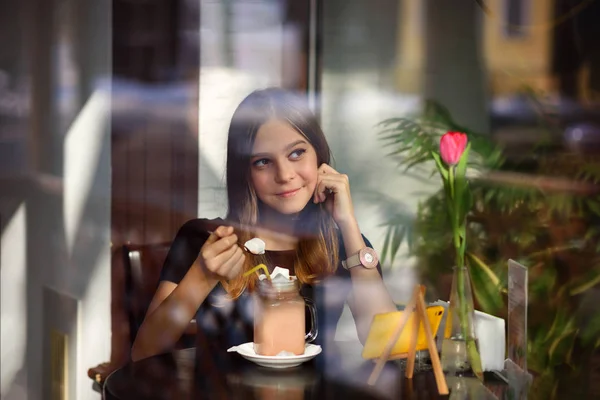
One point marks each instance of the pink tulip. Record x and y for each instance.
(452, 146)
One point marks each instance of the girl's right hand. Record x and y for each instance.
(221, 255)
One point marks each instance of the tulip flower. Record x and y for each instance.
(452, 166)
(452, 147)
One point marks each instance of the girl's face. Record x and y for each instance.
(283, 167)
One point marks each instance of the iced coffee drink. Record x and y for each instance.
(279, 324)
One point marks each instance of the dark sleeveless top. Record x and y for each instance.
(228, 322)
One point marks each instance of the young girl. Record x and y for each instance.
(280, 188)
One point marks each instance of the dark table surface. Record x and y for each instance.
(202, 373)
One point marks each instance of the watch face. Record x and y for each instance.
(368, 258)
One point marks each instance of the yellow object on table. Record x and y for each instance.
(382, 329)
(415, 306)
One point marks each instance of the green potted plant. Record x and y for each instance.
(552, 231)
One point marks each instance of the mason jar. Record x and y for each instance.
(279, 321)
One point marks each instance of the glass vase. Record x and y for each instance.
(459, 334)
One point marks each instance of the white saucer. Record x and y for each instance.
(246, 350)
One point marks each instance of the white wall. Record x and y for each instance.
(13, 301)
(59, 235)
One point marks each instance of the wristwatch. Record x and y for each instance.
(367, 257)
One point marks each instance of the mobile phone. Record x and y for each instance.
(384, 325)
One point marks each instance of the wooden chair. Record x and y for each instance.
(134, 278)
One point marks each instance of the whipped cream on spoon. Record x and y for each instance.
(255, 246)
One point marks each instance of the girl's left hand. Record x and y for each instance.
(333, 189)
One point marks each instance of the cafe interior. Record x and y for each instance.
(114, 118)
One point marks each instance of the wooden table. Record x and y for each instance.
(204, 373)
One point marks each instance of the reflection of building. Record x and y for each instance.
(516, 46)
(537, 44)
(410, 46)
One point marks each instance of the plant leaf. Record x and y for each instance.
(386, 244)
(594, 206)
(586, 282)
(561, 346)
(590, 329)
(486, 285)
(559, 324)
(396, 241)
(440, 165)
(461, 170)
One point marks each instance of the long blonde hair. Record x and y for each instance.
(317, 252)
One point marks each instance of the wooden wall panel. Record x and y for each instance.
(155, 181)
(154, 147)
(160, 168)
(184, 173)
(297, 16)
(135, 176)
(119, 160)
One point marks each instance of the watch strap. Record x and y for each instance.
(352, 261)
